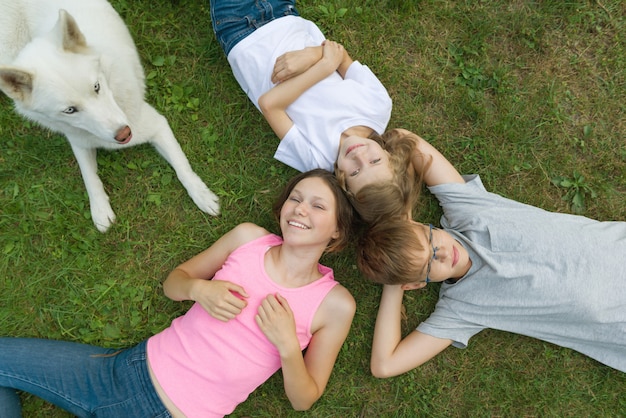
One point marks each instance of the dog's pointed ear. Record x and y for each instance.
(16, 83)
(68, 33)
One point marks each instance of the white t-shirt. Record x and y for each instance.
(321, 113)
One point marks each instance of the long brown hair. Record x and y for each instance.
(344, 209)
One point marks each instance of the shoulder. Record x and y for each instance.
(244, 233)
(250, 229)
(471, 191)
(339, 303)
(334, 315)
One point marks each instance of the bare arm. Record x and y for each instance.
(274, 103)
(391, 354)
(433, 167)
(305, 377)
(294, 63)
(192, 280)
(346, 62)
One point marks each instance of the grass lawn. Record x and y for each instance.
(529, 94)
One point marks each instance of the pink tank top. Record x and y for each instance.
(206, 366)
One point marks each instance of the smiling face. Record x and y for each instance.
(309, 215)
(362, 161)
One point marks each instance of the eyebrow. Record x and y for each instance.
(314, 197)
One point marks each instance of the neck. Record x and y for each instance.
(293, 268)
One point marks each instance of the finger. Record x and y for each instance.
(268, 307)
(219, 315)
(230, 305)
(226, 302)
(235, 305)
(224, 318)
(279, 75)
(277, 67)
(284, 303)
(236, 289)
(272, 302)
(234, 302)
(262, 313)
(260, 321)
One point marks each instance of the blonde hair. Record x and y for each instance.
(395, 198)
(389, 251)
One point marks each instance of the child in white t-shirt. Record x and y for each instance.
(315, 97)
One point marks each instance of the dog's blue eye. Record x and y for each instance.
(70, 110)
(96, 87)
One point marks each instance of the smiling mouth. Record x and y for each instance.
(298, 225)
(353, 147)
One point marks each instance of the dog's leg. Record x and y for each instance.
(158, 131)
(101, 212)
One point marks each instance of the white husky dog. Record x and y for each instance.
(72, 66)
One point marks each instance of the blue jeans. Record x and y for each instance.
(233, 20)
(86, 381)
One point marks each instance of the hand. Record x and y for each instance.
(294, 63)
(333, 53)
(275, 319)
(223, 300)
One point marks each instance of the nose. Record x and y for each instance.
(359, 154)
(123, 135)
(301, 209)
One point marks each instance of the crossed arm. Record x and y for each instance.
(294, 63)
(296, 72)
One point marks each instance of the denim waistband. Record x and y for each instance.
(234, 20)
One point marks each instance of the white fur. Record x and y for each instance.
(72, 66)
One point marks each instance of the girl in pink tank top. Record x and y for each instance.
(260, 300)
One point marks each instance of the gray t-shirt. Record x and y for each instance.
(557, 277)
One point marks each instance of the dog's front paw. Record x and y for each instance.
(103, 217)
(204, 198)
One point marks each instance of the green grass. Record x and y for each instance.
(521, 92)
